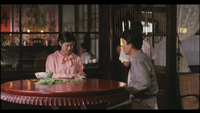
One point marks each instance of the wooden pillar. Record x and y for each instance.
(171, 57)
(104, 41)
(60, 10)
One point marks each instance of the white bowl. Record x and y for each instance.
(43, 75)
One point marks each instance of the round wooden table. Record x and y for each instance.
(87, 92)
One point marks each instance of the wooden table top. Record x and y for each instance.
(85, 92)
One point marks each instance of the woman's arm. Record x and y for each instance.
(50, 66)
(80, 67)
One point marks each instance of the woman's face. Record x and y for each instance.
(67, 47)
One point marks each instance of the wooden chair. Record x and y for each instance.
(188, 90)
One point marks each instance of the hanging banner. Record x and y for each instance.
(5, 18)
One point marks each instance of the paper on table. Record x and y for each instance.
(80, 76)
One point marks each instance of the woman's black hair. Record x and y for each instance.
(133, 37)
(65, 37)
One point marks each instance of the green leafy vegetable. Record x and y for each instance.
(48, 72)
(77, 80)
(49, 81)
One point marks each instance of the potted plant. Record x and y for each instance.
(4, 52)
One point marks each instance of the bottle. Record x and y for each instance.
(49, 41)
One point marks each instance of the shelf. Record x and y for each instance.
(28, 47)
(31, 58)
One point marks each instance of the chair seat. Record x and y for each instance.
(188, 85)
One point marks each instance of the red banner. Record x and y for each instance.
(5, 18)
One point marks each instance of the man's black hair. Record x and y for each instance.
(85, 46)
(137, 26)
(134, 37)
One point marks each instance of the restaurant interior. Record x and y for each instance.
(29, 33)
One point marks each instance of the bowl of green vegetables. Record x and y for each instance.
(43, 75)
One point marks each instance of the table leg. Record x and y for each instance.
(55, 107)
(83, 107)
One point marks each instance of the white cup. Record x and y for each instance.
(94, 60)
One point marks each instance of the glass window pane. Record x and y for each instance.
(35, 57)
(97, 9)
(10, 52)
(92, 8)
(68, 16)
(85, 26)
(85, 8)
(79, 38)
(95, 45)
(80, 12)
(80, 27)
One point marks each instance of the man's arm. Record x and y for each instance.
(126, 63)
(140, 78)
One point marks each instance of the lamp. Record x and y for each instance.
(146, 22)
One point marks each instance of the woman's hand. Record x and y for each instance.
(118, 49)
(70, 76)
(65, 76)
(82, 73)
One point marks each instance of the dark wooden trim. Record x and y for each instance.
(76, 9)
(171, 57)
(195, 68)
(104, 40)
(60, 15)
(20, 30)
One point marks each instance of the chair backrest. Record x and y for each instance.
(188, 85)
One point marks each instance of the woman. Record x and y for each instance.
(63, 62)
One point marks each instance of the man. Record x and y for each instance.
(146, 47)
(85, 55)
(143, 84)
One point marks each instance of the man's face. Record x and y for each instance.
(126, 47)
(82, 50)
